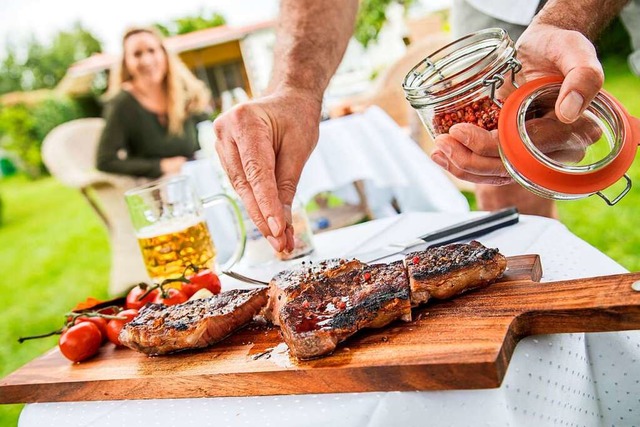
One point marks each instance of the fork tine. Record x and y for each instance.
(244, 278)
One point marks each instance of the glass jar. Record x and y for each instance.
(458, 83)
(302, 233)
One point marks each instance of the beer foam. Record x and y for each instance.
(170, 226)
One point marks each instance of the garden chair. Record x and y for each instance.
(69, 152)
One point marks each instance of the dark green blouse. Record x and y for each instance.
(134, 141)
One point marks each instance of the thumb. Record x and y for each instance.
(583, 77)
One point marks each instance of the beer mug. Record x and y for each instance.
(168, 219)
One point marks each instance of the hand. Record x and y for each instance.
(263, 146)
(172, 165)
(548, 50)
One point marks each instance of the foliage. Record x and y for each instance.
(189, 24)
(44, 65)
(372, 15)
(23, 128)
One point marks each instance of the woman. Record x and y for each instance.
(154, 107)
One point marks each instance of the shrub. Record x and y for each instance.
(23, 128)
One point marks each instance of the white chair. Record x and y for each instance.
(69, 152)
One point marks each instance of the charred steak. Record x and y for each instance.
(288, 284)
(332, 308)
(161, 329)
(446, 271)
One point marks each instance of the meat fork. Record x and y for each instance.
(245, 279)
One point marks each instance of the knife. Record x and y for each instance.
(454, 233)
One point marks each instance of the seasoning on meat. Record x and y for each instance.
(161, 329)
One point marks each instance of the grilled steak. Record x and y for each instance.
(335, 307)
(288, 284)
(161, 329)
(446, 271)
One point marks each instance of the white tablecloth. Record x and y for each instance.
(552, 380)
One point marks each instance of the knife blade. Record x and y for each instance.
(465, 230)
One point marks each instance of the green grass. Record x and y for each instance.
(54, 251)
(613, 230)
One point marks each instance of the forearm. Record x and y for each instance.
(312, 38)
(588, 17)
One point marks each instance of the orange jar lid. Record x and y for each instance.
(559, 160)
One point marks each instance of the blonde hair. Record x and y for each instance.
(185, 93)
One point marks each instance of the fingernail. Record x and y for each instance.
(274, 226)
(571, 106)
(275, 243)
(439, 159)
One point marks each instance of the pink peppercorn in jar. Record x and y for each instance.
(458, 83)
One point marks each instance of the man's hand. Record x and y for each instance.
(547, 50)
(263, 146)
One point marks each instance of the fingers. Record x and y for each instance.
(473, 157)
(290, 162)
(476, 139)
(246, 153)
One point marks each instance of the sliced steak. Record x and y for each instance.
(161, 329)
(288, 284)
(446, 271)
(333, 308)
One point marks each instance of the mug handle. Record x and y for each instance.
(240, 228)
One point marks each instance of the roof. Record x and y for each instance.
(177, 44)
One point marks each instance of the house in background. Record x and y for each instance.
(230, 57)
(223, 57)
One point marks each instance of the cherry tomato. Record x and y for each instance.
(80, 341)
(133, 297)
(115, 325)
(206, 279)
(172, 296)
(100, 322)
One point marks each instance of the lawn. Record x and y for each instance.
(55, 252)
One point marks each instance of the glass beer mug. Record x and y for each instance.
(169, 222)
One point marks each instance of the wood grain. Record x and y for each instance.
(464, 343)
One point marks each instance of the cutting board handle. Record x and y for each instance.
(596, 304)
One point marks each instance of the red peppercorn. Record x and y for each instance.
(483, 113)
(367, 275)
(416, 260)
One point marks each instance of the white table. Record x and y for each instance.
(552, 380)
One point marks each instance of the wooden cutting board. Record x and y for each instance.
(465, 343)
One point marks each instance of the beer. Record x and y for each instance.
(168, 248)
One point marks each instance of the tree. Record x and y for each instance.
(372, 15)
(189, 24)
(44, 65)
